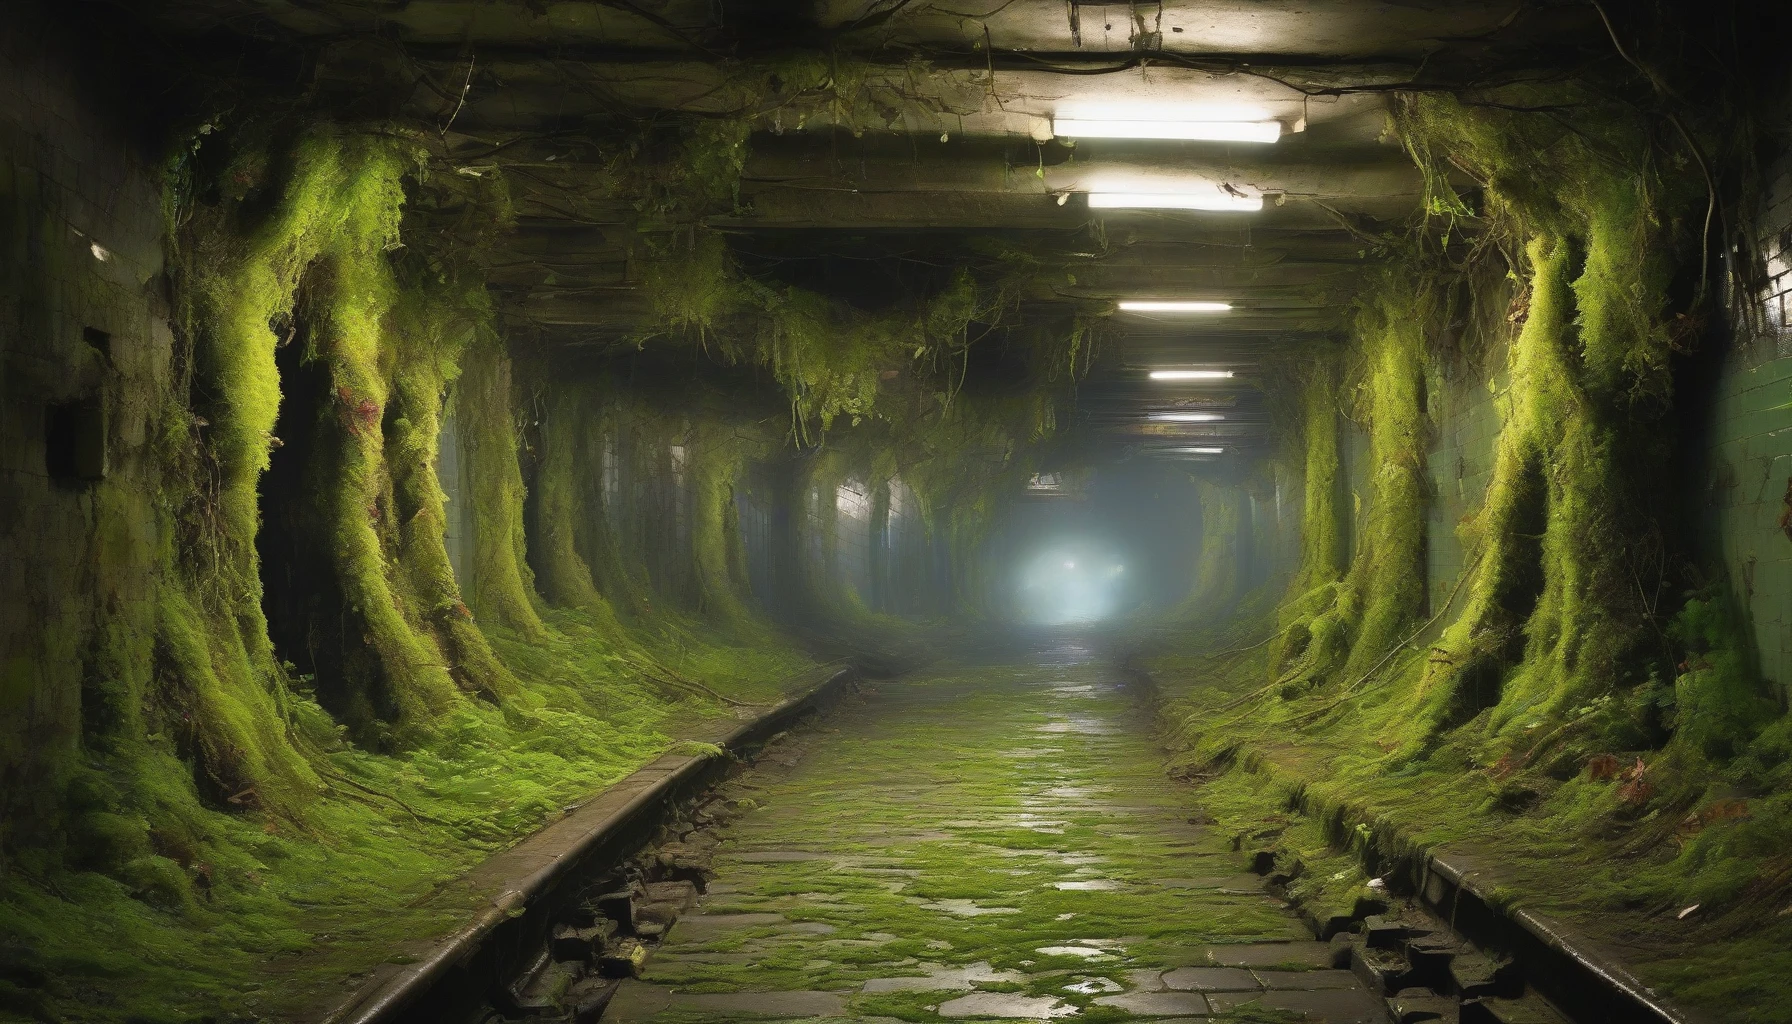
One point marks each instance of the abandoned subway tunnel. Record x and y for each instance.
(895, 510)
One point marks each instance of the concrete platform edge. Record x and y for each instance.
(560, 847)
(1446, 883)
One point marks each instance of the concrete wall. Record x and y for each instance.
(84, 367)
(1750, 444)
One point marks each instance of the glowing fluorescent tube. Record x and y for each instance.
(1187, 417)
(1166, 128)
(1153, 306)
(1201, 451)
(1190, 374)
(1217, 199)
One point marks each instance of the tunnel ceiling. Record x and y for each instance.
(900, 136)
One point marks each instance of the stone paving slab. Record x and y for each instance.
(1211, 979)
(1340, 1006)
(637, 1001)
(1272, 954)
(1006, 1005)
(1158, 1004)
(1309, 979)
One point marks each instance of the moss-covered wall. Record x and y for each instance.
(1747, 497)
(83, 326)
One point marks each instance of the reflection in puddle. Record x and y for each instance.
(1086, 952)
(966, 908)
(1006, 1004)
(941, 978)
(1094, 986)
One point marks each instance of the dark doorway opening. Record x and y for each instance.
(309, 623)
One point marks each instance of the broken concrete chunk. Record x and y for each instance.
(542, 987)
(1381, 970)
(655, 918)
(1477, 974)
(623, 958)
(571, 943)
(1430, 957)
(589, 997)
(1527, 1009)
(1421, 1005)
(1382, 932)
(679, 893)
(619, 906)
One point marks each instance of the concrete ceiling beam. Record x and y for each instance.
(785, 208)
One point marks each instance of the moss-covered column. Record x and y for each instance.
(430, 339)
(1321, 544)
(817, 512)
(1390, 573)
(387, 350)
(1504, 572)
(1216, 582)
(233, 284)
(1352, 625)
(560, 570)
(358, 503)
(617, 569)
(502, 580)
(716, 462)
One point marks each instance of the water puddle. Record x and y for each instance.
(967, 908)
(942, 978)
(1006, 1005)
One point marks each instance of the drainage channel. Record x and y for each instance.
(992, 843)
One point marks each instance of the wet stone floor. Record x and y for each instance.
(999, 843)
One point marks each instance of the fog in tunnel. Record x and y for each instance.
(675, 511)
(1097, 546)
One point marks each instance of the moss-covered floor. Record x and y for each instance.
(996, 842)
(294, 912)
(1673, 893)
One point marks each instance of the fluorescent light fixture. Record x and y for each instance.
(1191, 374)
(1178, 306)
(1201, 451)
(1144, 119)
(1216, 199)
(1166, 128)
(1187, 417)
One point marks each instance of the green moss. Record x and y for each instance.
(1720, 702)
(218, 822)
(501, 577)
(432, 329)
(717, 458)
(239, 735)
(1621, 761)
(1390, 567)
(1216, 577)
(561, 572)
(1346, 627)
